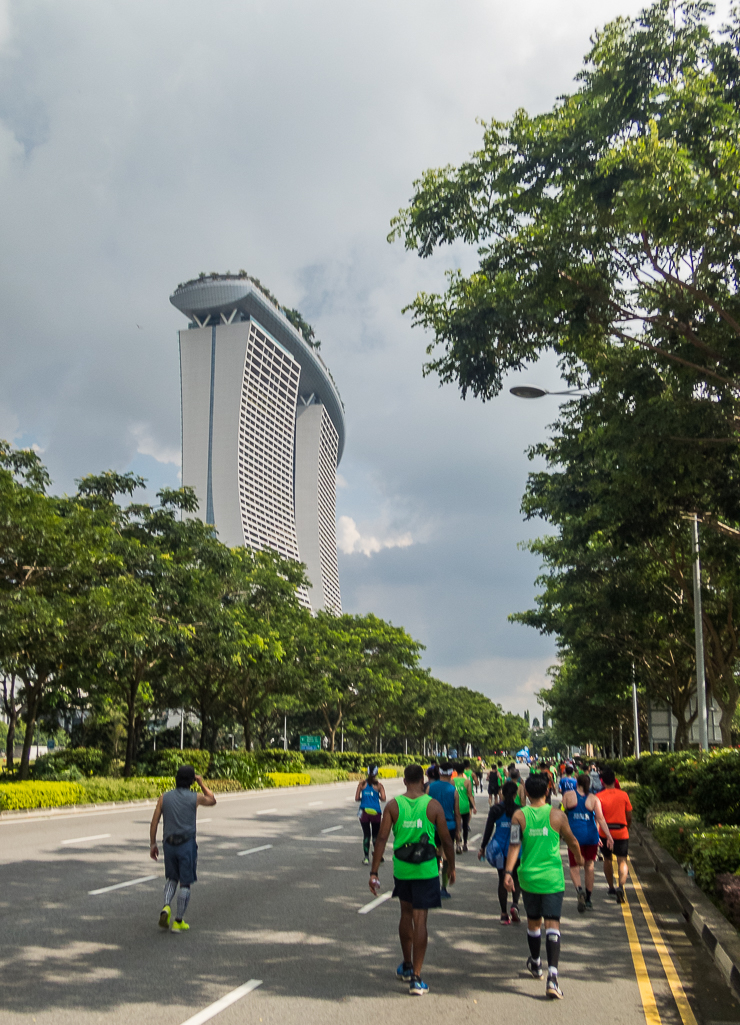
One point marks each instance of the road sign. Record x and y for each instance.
(310, 743)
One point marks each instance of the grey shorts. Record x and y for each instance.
(181, 861)
(543, 905)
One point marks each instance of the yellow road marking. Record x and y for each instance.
(649, 1006)
(679, 995)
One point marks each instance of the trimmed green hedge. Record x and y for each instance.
(290, 779)
(89, 761)
(31, 794)
(674, 830)
(168, 761)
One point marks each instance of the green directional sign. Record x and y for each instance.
(310, 743)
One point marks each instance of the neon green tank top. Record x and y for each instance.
(411, 825)
(459, 782)
(541, 870)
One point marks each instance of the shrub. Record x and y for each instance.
(331, 775)
(168, 761)
(137, 788)
(32, 794)
(224, 786)
(727, 892)
(641, 798)
(714, 851)
(675, 832)
(716, 788)
(240, 766)
(389, 772)
(277, 760)
(289, 779)
(89, 761)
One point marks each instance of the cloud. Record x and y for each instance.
(350, 540)
(147, 445)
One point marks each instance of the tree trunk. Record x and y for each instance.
(247, 727)
(11, 711)
(33, 696)
(128, 767)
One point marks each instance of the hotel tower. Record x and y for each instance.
(262, 428)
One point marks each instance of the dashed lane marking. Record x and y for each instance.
(267, 811)
(86, 839)
(220, 1005)
(120, 886)
(314, 804)
(254, 850)
(367, 908)
(332, 829)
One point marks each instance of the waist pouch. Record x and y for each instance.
(416, 853)
(175, 840)
(369, 811)
(617, 825)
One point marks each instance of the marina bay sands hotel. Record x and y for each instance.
(262, 428)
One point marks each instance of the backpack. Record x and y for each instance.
(498, 845)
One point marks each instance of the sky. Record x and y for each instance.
(142, 143)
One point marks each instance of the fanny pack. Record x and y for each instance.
(617, 825)
(416, 853)
(175, 839)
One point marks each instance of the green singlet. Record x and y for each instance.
(541, 870)
(411, 825)
(462, 790)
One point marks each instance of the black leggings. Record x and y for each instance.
(367, 829)
(466, 825)
(503, 893)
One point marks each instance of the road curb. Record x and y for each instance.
(715, 932)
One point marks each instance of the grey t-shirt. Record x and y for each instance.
(178, 812)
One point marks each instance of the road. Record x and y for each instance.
(287, 916)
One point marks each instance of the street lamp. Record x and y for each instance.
(528, 392)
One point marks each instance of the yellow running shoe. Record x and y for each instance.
(164, 917)
(180, 926)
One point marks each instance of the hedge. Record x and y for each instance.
(713, 852)
(89, 761)
(388, 772)
(289, 779)
(169, 760)
(31, 794)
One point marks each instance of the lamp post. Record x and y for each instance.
(529, 392)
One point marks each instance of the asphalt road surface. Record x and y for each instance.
(276, 936)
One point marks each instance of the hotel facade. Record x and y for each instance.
(262, 428)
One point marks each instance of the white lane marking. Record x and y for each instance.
(476, 837)
(253, 850)
(231, 998)
(266, 811)
(84, 839)
(314, 804)
(120, 886)
(375, 903)
(205, 820)
(332, 829)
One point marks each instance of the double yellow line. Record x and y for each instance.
(649, 1006)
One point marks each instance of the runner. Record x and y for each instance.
(414, 818)
(495, 847)
(467, 803)
(494, 785)
(544, 771)
(584, 813)
(469, 773)
(596, 784)
(567, 782)
(541, 876)
(369, 793)
(178, 807)
(446, 793)
(617, 810)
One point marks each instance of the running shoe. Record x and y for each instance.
(444, 892)
(417, 987)
(589, 905)
(365, 861)
(458, 848)
(534, 969)
(553, 990)
(621, 899)
(405, 972)
(164, 917)
(611, 892)
(465, 847)
(505, 920)
(180, 926)
(581, 902)
(514, 914)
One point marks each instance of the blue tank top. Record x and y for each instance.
(582, 822)
(567, 783)
(445, 794)
(370, 800)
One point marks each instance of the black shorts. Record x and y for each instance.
(543, 905)
(621, 849)
(419, 893)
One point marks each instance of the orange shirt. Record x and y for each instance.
(615, 804)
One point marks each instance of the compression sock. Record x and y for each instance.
(366, 845)
(552, 945)
(534, 939)
(588, 894)
(170, 886)
(183, 899)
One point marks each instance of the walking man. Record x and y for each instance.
(444, 791)
(617, 810)
(178, 807)
(413, 817)
(467, 803)
(535, 836)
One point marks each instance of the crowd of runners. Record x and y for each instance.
(531, 809)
